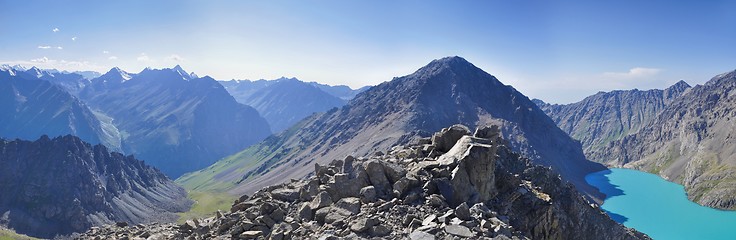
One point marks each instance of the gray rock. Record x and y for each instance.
(351, 204)
(336, 214)
(488, 132)
(251, 234)
(322, 199)
(285, 194)
(380, 231)
(429, 219)
(458, 230)
(320, 214)
(377, 177)
(368, 194)
(305, 212)
(463, 212)
(436, 200)
(419, 235)
(445, 139)
(363, 224)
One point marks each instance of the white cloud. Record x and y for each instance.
(59, 47)
(55, 30)
(44, 47)
(637, 72)
(74, 38)
(175, 58)
(144, 58)
(105, 52)
(40, 60)
(113, 58)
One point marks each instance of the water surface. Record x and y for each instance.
(659, 208)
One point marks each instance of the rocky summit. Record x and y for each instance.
(453, 185)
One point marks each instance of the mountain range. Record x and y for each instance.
(174, 120)
(681, 133)
(285, 101)
(64, 185)
(31, 107)
(445, 92)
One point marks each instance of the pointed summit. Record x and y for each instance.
(115, 75)
(178, 69)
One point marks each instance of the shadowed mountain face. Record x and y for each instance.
(31, 107)
(445, 92)
(174, 120)
(609, 116)
(63, 185)
(340, 91)
(282, 102)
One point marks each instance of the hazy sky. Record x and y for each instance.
(559, 51)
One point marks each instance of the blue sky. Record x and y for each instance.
(559, 51)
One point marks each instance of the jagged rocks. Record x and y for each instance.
(445, 139)
(421, 198)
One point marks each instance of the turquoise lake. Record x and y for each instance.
(659, 208)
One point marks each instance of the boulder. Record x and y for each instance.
(419, 235)
(458, 230)
(305, 212)
(363, 224)
(463, 212)
(322, 199)
(285, 194)
(368, 194)
(351, 204)
(377, 178)
(447, 137)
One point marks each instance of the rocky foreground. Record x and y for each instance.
(452, 186)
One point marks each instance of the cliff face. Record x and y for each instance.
(445, 92)
(452, 186)
(609, 116)
(690, 142)
(63, 185)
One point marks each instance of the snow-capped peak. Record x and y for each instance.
(7, 68)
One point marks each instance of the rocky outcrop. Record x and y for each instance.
(605, 117)
(477, 189)
(63, 185)
(445, 92)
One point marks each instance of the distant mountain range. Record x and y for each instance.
(174, 120)
(609, 116)
(63, 185)
(445, 92)
(31, 107)
(285, 101)
(682, 133)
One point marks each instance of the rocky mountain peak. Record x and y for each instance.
(722, 78)
(116, 75)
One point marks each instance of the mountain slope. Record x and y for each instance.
(445, 92)
(479, 189)
(31, 107)
(608, 116)
(173, 120)
(282, 102)
(690, 142)
(65, 185)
